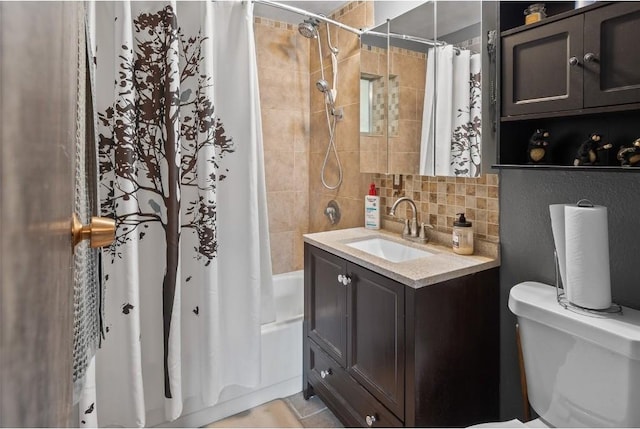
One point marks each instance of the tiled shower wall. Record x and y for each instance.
(283, 74)
(350, 195)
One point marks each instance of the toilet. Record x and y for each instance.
(582, 370)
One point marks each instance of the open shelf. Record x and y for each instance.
(567, 133)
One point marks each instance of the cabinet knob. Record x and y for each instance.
(573, 61)
(325, 374)
(590, 57)
(370, 420)
(345, 280)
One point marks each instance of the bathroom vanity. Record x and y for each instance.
(406, 343)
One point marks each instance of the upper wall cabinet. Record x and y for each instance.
(580, 61)
(573, 74)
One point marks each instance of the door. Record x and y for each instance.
(612, 55)
(376, 340)
(326, 302)
(38, 96)
(541, 68)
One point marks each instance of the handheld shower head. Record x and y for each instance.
(309, 28)
(323, 87)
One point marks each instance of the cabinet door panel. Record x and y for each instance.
(613, 77)
(536, 73)
(327, 303)
(376, 357)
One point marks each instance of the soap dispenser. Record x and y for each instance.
(372, 209)
(462, 240)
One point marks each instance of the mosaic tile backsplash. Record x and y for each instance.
(439, 199)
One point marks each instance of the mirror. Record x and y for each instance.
(432, 93)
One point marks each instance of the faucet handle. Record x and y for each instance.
(423, 229)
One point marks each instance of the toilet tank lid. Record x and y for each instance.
(619, 333)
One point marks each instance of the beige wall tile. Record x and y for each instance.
(280, 87)
(281, 208)
(349, 81)
(348, 130)
(278, 129)
(369, 62)
(282, 253)
(279, 170)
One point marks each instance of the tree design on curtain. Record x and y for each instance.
(154, 153)
(465, 139)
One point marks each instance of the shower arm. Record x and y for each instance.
(309, 14)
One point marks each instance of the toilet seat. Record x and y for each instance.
(515, 423)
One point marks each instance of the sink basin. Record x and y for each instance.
(389, 250)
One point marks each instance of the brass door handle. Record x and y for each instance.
(101, 232)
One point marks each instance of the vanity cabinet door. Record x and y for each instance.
(376, 336)
(612, 55)
(541, 68)
(326, 302)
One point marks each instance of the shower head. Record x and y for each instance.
(322, 85)
(330, 94)
(309, 28)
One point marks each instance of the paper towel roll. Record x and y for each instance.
(557, 227)
(587, 256)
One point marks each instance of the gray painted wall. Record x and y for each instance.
(527, 245)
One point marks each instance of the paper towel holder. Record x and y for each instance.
(565, 303)
(585, 203)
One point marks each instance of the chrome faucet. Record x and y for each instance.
(412, 229)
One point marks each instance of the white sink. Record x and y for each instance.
(389, 250)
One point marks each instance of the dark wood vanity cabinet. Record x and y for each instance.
(382, 354)
(582, 61)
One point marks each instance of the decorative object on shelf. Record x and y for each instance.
(589, 152)
(629, 156)
(534, 13)
(537, 150)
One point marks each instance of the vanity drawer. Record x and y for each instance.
(363, 407)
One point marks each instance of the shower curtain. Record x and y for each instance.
(451, 123)
(188, 280)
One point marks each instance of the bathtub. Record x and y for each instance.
(281, 359)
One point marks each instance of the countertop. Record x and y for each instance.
(415, 273)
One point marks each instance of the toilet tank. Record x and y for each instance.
(582, 371)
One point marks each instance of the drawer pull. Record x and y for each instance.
(370, 420)
(325, 374)
(340, 277)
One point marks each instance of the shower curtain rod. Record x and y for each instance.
(405, 37)
(309, 14)
(346, 27)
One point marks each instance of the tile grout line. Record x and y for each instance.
(315, 412)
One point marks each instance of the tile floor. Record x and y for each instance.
(293, 411)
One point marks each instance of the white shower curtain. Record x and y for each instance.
(451, 123)
(188, 281)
